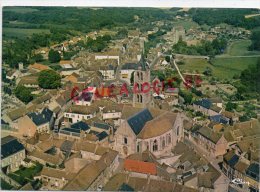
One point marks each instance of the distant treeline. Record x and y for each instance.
(83, 19)
(235, 17)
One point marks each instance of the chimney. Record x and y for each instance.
(148, 179)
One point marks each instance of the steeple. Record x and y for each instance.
(142, 76)
(142, 64)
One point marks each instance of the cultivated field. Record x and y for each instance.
(241, 48)
(22, 33)
(222, 68)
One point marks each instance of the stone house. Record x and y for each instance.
(206, 107)
(55, 179)
(214, 143)
(95, 174)
(36, 122)
(77, 113)
(12, 154)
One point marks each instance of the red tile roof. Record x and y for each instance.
(140, 166)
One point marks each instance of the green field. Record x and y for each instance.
(240, 48)
(21, 33)
(193, 65)
(226, 68)
(223, 68)
(186, 24)
(20, 9)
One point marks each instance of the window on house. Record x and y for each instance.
(155, 145)
(147, 145)
(177, 131)
(125, 140)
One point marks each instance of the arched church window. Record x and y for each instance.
(155, 145)
(163, 142)
(169, 138)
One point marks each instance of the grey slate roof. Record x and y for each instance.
(47, 113)
(206, 103)
(125, 187)
(102, 135)
(10, 146)
(253, 171)
(130, 66)
(80, 126)
(137, 121)
(38, 118)
(101, 125)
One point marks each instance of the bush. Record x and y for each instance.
(23, 93)
(54, 56)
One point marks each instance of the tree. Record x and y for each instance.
(122, 33)
(23, 93)
(255, 37)
(54, 56)
(49, 79)
(208, 71)
(167, 58)
(230, 106)
(37, 57)
(186, 96)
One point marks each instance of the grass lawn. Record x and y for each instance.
(193, 65)
(22, 174)
(241, 48)
(30, 172)
(22, 33)
(5, 185)
(18, 179)
(223, 68)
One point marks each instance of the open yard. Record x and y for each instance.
(241, 48)
(223, 68)
(21, 33)
(24, 175)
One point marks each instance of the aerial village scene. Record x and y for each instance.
(130, 99)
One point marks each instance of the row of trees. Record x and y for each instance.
(98, 44)
(216, 47)
(48, 79)
(255, 37)
(84, 19)
(21, 50)
(235, 17)
(249, 86)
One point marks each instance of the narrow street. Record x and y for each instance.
(223, 181)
